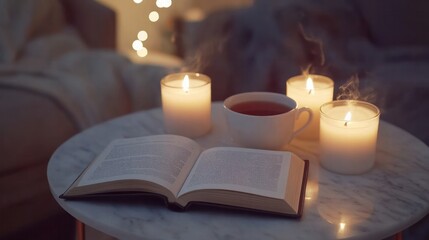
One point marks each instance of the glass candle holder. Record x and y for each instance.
(348, 136)
(310, 91)
(186, 104)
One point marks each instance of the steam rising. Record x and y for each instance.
(254, 49)
(350, 91)
(209, 49)
(316, 41)
(306, 71)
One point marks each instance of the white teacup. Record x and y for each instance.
(263, 120)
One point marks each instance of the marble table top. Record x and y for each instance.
(380, 203)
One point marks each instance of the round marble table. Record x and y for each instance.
(380, 203)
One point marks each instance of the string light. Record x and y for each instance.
(153, 16)
(163, 3)
(137, 45)
(142, 35)
(142, 52)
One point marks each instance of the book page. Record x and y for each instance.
(163, 159)
(254, 171)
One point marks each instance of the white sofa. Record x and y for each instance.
(59, 74)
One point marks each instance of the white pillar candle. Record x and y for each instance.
(311, 91)
(348, 136)
(186, 104)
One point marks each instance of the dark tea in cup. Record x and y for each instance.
(263, 120)
(260, 108)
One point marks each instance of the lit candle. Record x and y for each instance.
(348, 136)
(186, 104)
(311, 91)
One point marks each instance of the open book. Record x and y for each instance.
(176, 167)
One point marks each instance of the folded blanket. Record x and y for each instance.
(90, 86)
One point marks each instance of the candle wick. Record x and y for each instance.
(345, 124)
(309, 91)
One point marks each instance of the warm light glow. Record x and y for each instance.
(138, 1)
(163, 3)
(185, 84)
(194, 15)
(137, 45)
(142, 52)
(311, 190)
(342, 227)
(142, 35)
(308, 192)
(347, 118)
(153, 16)
(310, 85)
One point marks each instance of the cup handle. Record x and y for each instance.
(310, 117)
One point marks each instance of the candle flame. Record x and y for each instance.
(309, 85)
(342, 227)
(347, 118)
(185, 84)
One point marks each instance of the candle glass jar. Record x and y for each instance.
(322, 92)
(187, 110)
(348, 136)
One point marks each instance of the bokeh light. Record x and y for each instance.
(137, 45)
(142, 52)
(142, 35)
(163, 3)
(153, 16)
